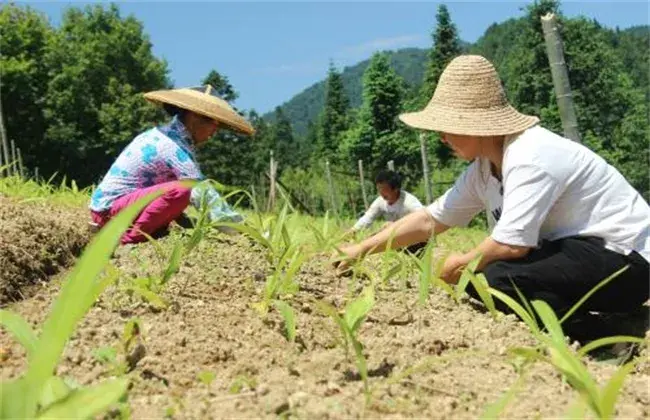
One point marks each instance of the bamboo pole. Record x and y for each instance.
(425, 167)
(5, 145)
(20, 163)
(272, 170)
(363, 185)
(555, 52)
(14, 159)
(330, 186)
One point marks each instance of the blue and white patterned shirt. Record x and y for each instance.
(161, 154)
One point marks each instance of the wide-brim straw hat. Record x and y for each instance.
(204, 101)
(470, 100)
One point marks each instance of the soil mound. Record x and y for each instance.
(37, 240)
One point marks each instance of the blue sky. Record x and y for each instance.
(272, 50)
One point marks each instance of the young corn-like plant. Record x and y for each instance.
(429, 273)
(552, 348)
(271, 234)
(39, 393)
(354, 315)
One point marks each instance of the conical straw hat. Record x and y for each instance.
(204, 101)
(469, 100)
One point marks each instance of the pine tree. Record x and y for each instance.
(369, 139)
(282, 141)
(333, 120)
(446, 46)
(228, 157)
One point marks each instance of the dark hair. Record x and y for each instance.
(174, 111)
(391, 178)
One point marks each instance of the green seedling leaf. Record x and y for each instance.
(12, 398)
(149, 296)
(55, 389)
(87, 402)
(576, 410)
(132, 330)
(289, 317)
(481, 286)
(529, 309)
(77, 295)
(612, 389)
(105, 355)
(206, 377)
(562, 358)
(174, 263)
(356, 311)
(516, 308)
(426, 273)
(249, 231)
(494, 410)
(20, 329)
(549, 319)
(527, 353)
(331, 312)
(591, 292)
(240, 382)
(606, 341)
(465, 277)
(361, 365)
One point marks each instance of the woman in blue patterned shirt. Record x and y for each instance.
(160, 157)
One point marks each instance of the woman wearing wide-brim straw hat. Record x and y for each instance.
(561, 218)
(161, 157)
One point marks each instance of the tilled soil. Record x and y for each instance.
(443, 360)
(37, 240)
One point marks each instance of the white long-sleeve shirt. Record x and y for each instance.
(405, 204)
(552, 188)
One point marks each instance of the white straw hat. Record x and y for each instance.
(204, 101)
(469, 100)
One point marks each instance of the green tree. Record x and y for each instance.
(333, 120)
(612, 114)
(24, 38)
(99, 64)
(371, 138)
(228, 156)
(446, 46)
(283, 143)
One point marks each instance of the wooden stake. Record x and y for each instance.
(425, 167)
(363, 185)
(555, 52)
(14, 159)
(330, 187)
(5, 144)
(20, 164)
(272, 171)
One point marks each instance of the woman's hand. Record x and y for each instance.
(345, 255)
(453, 268)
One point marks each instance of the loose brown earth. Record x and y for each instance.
(456, 353)
(37, 240)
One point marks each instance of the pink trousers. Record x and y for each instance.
(156, 216)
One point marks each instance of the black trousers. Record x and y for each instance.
(561, 272)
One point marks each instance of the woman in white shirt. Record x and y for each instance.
(561, 218)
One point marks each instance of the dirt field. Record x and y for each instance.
(441, 361)
(37, 240)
